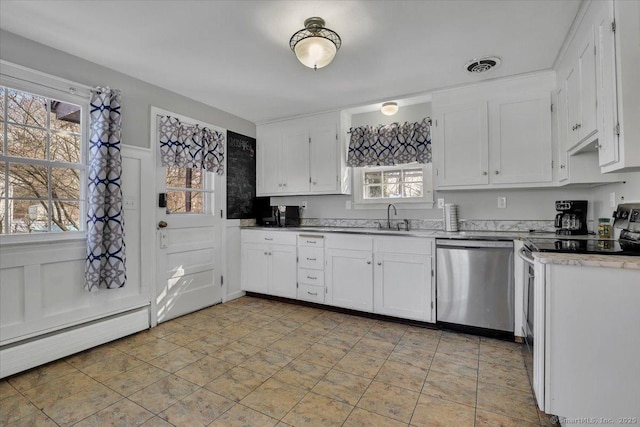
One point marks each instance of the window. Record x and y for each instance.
(41, 162)
(375, 187)
(188, 190)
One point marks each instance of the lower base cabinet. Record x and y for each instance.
(350, 279)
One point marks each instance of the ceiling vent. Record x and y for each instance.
(480, 65)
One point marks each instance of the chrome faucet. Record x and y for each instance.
(395, 212)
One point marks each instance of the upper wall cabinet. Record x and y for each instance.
(598, 79)
(302, 156)
(500, 136)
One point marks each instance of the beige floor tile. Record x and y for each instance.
(59, 388)
(360, 364)
(267, 362)
(412, 356)
(137, 378)
(448, 336)
(185, 336)
(424, 340)
(282, 326)
(389, 401)
(361, 418)
(373, 347)
(242, 416)
(167, 328)
(151, 349)
(451, 387)
(156, 422)
(510, 355)
(309, 333)
(459, 348)
(291, 346)
(7, 390)
(236, 383)
(340, 340)
(14, 408)
(508, 402)
(504, 376)
(274, 398)
(318, 411)
(547, 420)
(41, 375)
(323, 354)
(244, 348)
(261, 338)
(121, 413)
(388, 332)
(132, 342)
(455, 365)
(435, 412)
(92, 356)
(402, 375)
(160, 395)
(34, 419)
(211, 344)
(117, 364)
(230, 356)
(198, 409)
(488, 419)
(78, 406)
(301, 373)
(341, 386)
(238, 330)
(351, 328)
(204, 370)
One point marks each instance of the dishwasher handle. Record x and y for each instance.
(522, 253)
(473, 244)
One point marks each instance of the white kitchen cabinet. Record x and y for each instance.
(499, 137)
(403, 278)
(462, 139)
(520, 143)
(268, 262)
(310, 286)
(349, 271)
(302, 156)
(561, 128)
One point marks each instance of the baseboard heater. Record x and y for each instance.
(36, 351)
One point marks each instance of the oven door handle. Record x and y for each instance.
(521, 254)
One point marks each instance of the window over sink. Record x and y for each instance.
(410, 185)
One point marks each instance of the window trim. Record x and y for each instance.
(424, 202)
(41, 84)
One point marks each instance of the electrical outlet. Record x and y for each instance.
(303, 204)
(612, 199)
(502, 202)
(440, 203)
(129, 204)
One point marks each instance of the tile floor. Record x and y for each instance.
(257, 362)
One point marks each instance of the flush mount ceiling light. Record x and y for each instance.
(314, 45)
(389, 108)
(480, 65)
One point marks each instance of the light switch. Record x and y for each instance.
(129, 204)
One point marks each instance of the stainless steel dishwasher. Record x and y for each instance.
(475, 283)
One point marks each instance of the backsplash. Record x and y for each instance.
(435, 224)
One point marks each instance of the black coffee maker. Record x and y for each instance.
(572, 217)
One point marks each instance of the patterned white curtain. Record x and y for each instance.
(389, 145)
(190, 146)
(105, 266)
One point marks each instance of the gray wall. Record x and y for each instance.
(137, 96)
(629, 191)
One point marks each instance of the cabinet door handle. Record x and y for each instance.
(598, 146)
(562, 166)
(379, 263)
(268, 238)
(578, 126)
(284, 185)
(315, 294)
(368, 262)
(484, 172)
(279, 185)
(311, 259)
(312, 278)
(311, 241)
(497, 172)
(266, 253)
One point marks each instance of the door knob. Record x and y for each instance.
(162, 224)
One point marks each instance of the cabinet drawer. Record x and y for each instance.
(309, 257)
(404, 245)
(311, 277)
(311, 293)
(314, 240)
(269, 237)
(349, 242)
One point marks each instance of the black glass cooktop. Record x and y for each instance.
(591, 246)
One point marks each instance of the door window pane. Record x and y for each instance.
(185, 202)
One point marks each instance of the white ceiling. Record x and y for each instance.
(235, 55)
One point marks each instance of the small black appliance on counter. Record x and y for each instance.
(572, 217)
(276, 216)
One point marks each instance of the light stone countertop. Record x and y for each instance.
(589, 260)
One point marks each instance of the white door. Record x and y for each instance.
(402, 285)
(188, 236)
(462, 144)
(350, 279)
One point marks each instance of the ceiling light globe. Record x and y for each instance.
(315, 52)
(389, 108)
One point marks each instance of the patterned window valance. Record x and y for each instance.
(190, 146)
(389, 145)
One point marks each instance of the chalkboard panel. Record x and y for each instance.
(241, 176)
